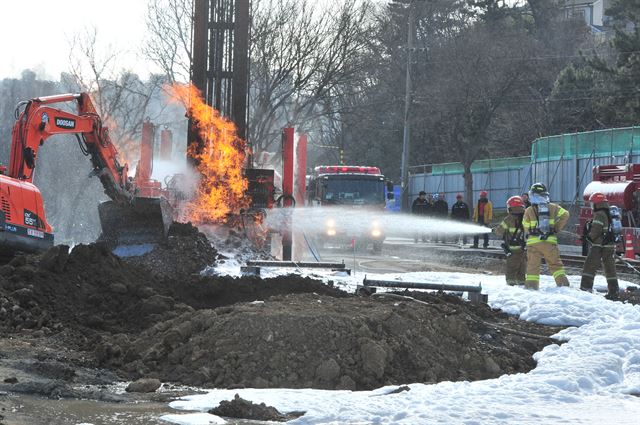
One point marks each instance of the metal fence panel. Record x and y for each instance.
(563, 162)
(501, 184)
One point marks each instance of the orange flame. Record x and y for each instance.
(222, 188)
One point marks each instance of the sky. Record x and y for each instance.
(36, 34)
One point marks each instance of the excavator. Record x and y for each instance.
(129, 218)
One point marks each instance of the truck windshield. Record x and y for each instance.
(353, 190)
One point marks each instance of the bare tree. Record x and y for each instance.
(120, 96)
(302, 58)
(472, 75)
(169, 43)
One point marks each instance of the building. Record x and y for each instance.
(593, 12)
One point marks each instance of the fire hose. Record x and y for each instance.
(626, 263)
(618, 257)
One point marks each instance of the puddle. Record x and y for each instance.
(29, 410)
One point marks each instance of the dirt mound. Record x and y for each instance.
(186, 251)
(631, 295)
(245, 409)
(218, 291)
(175, 325)
(92, 289)
(88, 287)
(308, 340)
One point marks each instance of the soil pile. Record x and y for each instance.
(156, 317)
(631, 295)
(87, 288)
(316, 341)
(95, 292)
(245, 409)
(185, 252)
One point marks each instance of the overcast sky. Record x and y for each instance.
(34, 34)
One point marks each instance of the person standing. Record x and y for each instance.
(420, 207)
(512, 232)
(440, 211)
(602, 240)
(460, 212)
(542, 221)
(482, 214)
(525, 199)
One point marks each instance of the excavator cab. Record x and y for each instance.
(23, 226)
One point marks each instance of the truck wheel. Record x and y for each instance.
(377, 247)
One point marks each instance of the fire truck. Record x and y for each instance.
(621, 185)
(351, 187)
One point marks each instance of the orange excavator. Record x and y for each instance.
(127, 219)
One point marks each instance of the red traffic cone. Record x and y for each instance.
(629, 249)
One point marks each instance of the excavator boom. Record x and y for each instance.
(23, 225)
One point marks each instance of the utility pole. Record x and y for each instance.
(407, 109)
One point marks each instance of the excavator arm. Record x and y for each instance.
(132, 217)
(38, 121)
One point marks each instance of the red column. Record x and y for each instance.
(287, 165)
(287, 189)
(301, 159)
(145, 164)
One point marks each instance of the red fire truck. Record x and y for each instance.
(621, 185)
(351, 187)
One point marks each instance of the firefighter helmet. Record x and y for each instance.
(515, 201)
(597, 198)
(539, 188)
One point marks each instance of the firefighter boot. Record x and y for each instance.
(613, 290)
(586, 283)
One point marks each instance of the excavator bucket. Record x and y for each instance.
(145, 222)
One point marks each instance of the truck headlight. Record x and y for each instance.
(331, 232)
(331, 223)
(376, 233)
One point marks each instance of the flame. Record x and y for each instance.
(221, 192)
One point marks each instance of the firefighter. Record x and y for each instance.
(600, 232)
(482, 214)
(512, 233)
(541, 222)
